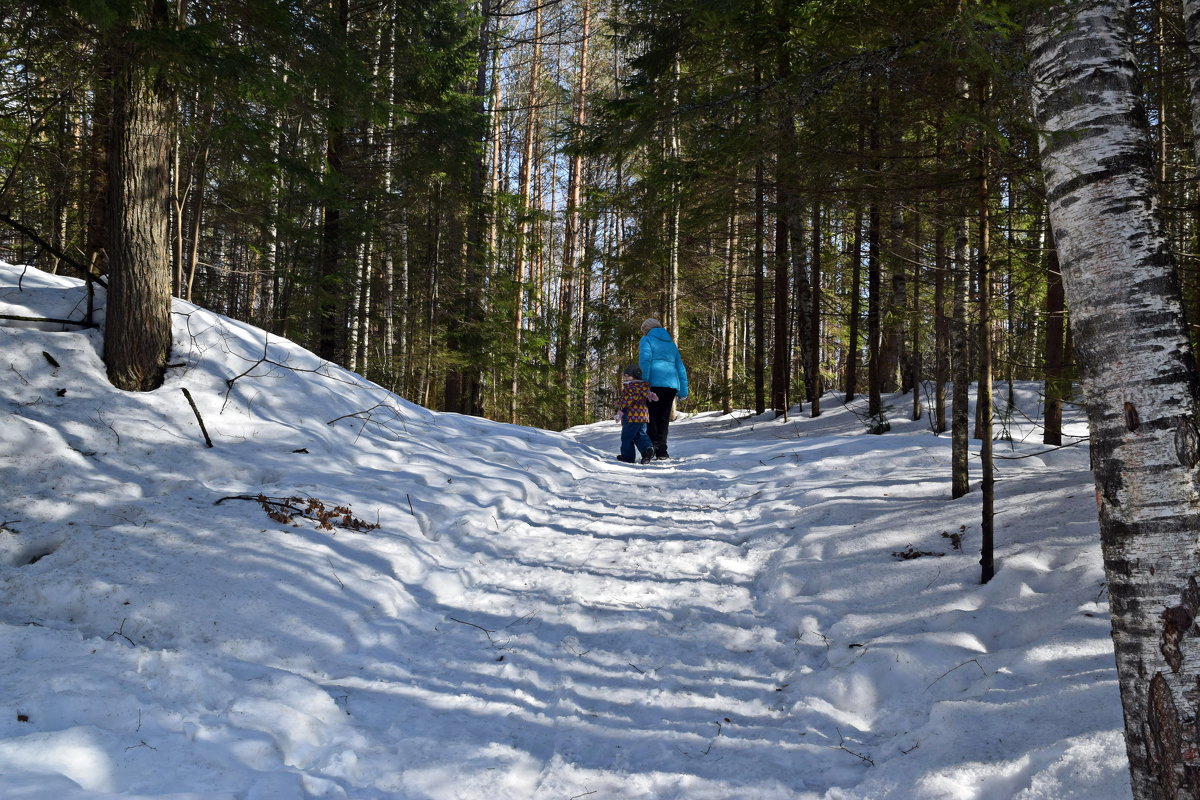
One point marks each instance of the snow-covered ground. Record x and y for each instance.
(531, 619)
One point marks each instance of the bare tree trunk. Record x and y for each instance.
(874, 288)
(178, 198)
(1140, 390)
(729, 328)
(874, 321)
(960, 483)
(940, 328)
(894, 314)
(359, 328)
(99, 146)
(572, 235)
(1057, 388)
(760, 315)
(496, 153)
(671, 298)
(330, 322)
(800, 326)
(59, 184)
(914, 356)
(814, 335)
(781, 354)
(785, 148)
(983, 400)
(524, 212)
(583, 363)
(390, 358)
(195, 215)
(405, 335)
(137, 337)
(852, 346)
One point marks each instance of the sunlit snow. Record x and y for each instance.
(531, 619)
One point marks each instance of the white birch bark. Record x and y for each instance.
(1138, 373)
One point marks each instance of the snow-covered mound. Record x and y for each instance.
(349, 596)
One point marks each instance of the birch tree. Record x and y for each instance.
(1140, 389)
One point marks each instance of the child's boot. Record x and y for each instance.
(647, 455)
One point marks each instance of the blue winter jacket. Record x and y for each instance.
(661, 363)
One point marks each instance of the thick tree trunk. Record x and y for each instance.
(1139, 377)
(137, 337)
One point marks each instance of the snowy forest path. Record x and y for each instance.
(632, 607)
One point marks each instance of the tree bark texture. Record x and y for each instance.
(137, 339)
(1138, 374)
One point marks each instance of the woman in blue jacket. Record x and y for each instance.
(662, 367)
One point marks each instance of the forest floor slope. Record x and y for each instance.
(789, 609)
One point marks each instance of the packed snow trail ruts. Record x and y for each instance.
(625, 640)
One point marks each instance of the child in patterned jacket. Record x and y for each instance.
(633, 414)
